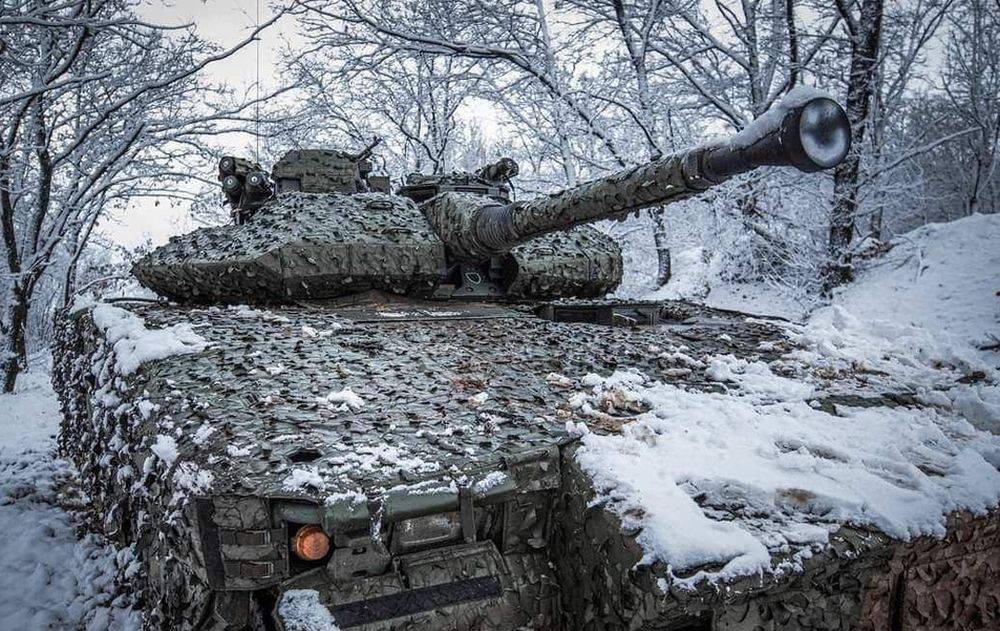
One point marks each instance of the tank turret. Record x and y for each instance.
(331, 229)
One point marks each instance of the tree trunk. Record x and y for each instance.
(662, 247)
(793, 44)
(14, 356)
(973, 202)
(865, 38)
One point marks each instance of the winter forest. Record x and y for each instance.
(115, 112)
(572, 90)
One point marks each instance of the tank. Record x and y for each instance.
(328, 233)
(355, 409)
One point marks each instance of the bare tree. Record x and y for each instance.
(592, 85)
(972, 83)
(864, 31)
(636, 25)
(515, 39)
(82, 129)
(355, 90)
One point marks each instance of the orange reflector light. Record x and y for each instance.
(310, 543)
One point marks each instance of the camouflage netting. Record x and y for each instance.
(395, 384)
(317, 171)
(862, 581)
(302, 246)
(605, 586)
(312, 246)
(361, 410)
(139, 498)
(948, 583)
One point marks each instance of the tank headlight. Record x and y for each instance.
(429, 531)
(310, 543)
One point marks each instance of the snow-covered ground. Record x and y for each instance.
(942, 277)
(922, 315)
(918, 321)
(697, 277)
(49, 577)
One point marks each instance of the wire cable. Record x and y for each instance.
(256, 133)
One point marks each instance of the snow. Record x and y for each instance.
(690, 276)
(353, 497)
(697, 276)
(188, 478)
(49, 578)
(490, 481)
(755, 379)
(478, 399)
(717, 483)
(239, 452)
(900, 470)
(301, 478)
(134, 344)
(30, 417)
(346, 399)
(728, 478)
(301, 610)
(165, 448)
(560, 381)
(771, 119)
(202, 433)
(942, 277)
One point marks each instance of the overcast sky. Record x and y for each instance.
(227, 22)
(224, 22)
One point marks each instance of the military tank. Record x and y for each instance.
(355, 400)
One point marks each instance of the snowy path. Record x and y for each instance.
(48, 578)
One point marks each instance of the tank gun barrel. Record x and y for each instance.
(810, 135)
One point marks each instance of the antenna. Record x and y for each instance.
(256, 132)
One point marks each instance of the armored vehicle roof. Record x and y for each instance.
(350, 413)
(380, 395)
(319, 400)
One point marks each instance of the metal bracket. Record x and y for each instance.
(467, 514)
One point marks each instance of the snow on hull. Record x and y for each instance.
(131, 476)
(135, 345)
(792, 474)
(775, 463)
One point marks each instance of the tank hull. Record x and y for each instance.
(446, 509)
